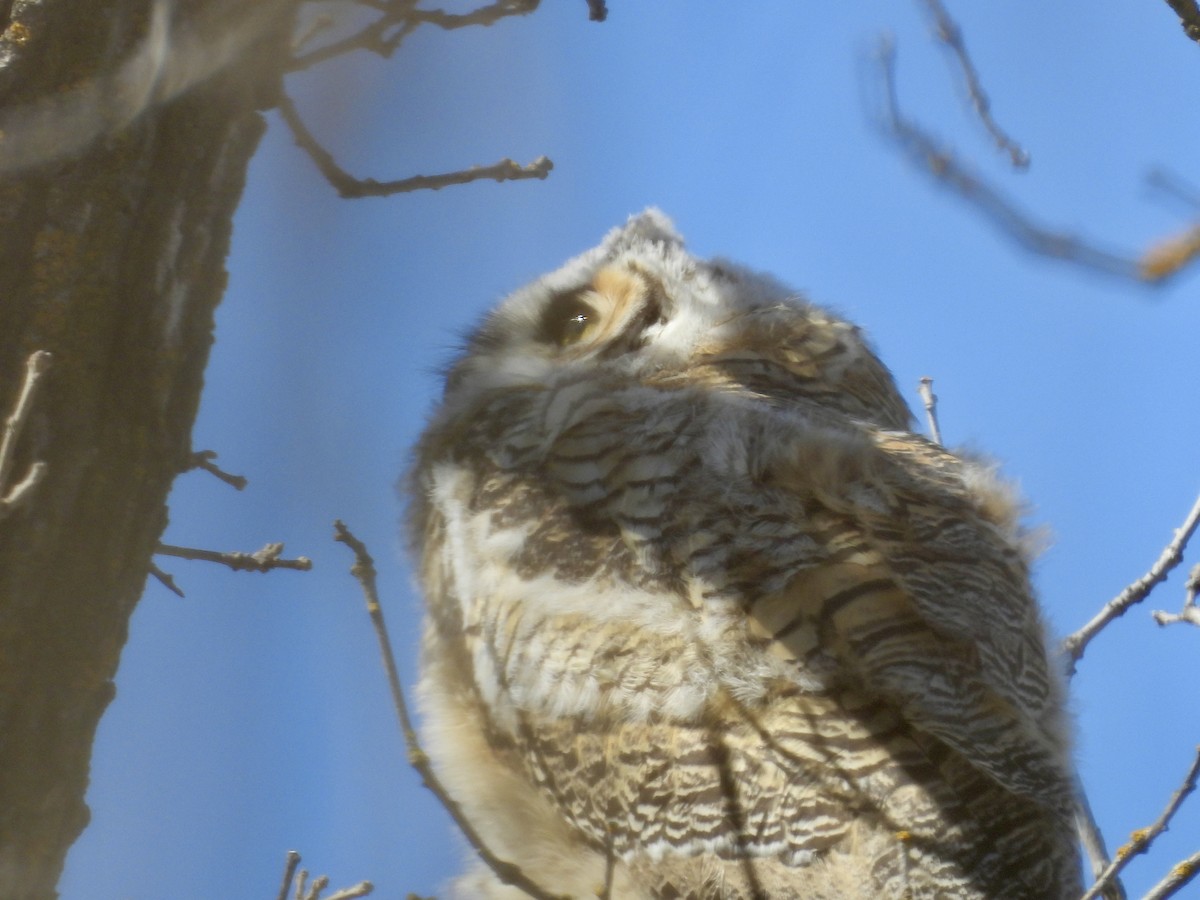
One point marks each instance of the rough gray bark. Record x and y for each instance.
(111, 258)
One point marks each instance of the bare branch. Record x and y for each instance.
(1074, 646)
(203, 459)
(948, 32)
(929, 398)
(289, 872)
(266, 559)
(1140, 840)
(1093, 844)
(166, 579)
(1158, 264)
(484, 15)
(318, 884)
(1177, 879)
(363, 571)
(348, 186)
(1190, 612)
(306, 891)
(1189, 17)
(396, 22)
(10, 499)
(1174, 186)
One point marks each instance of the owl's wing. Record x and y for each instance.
(925, 598)
(878, 549)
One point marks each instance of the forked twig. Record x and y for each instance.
(1190, 611)
(1075, 645)
(363, 571)
(349, 186)
(306, 891)
(1162, 260)
(948, 32)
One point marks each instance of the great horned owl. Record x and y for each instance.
(706, 619)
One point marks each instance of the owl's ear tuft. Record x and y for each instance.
(651, 225)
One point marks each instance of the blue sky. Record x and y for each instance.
(252, 717)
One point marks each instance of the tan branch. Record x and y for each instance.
(348, 186)
(1074, 646)
(363, 571)
(949, 33)
(266, 559)
(1140, 840)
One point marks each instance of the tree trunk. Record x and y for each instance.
(122, 159)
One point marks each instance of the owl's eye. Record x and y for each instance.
(567, 320)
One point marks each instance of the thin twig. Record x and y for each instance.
(264, 560)
(1093, 843)
(203, 459)
(363, 571)
(349, 186)
(949, 33)
(35, 366)
(1189, 17)
(289, 872)
(1174, 186)
(1177, 879)
(1074, 646)
(1156, 266)
(1190, 612)
(318, 884)
(167, 580)
(929, 398)
(1140, 840)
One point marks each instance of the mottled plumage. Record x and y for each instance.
(706, 619)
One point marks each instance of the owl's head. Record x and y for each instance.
(640, 307)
